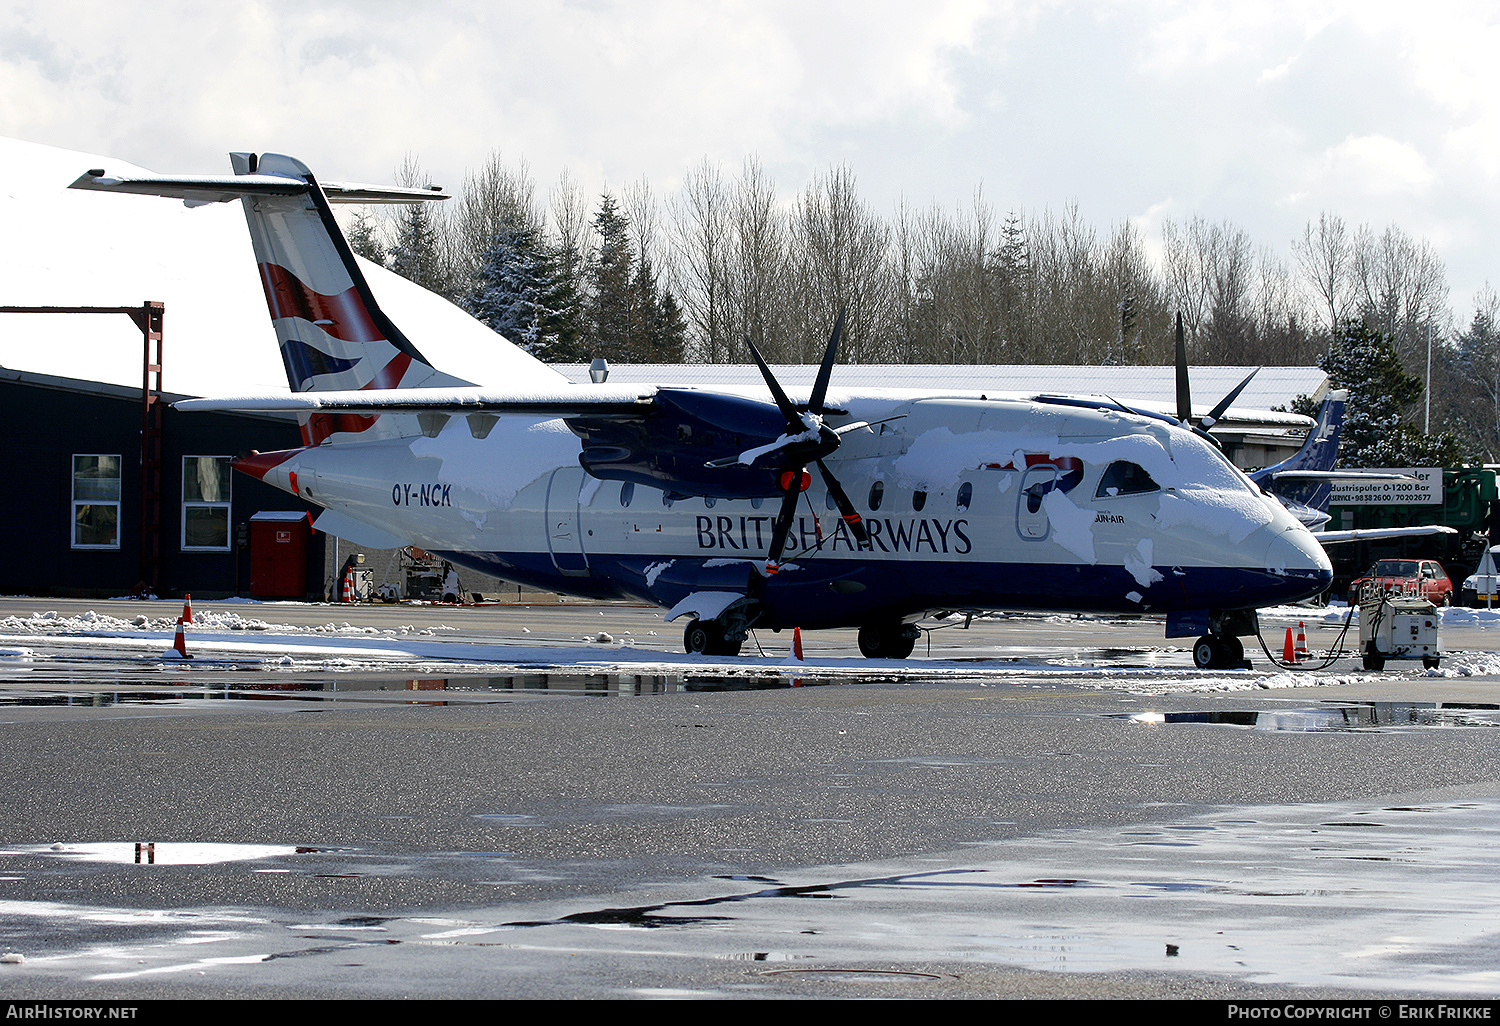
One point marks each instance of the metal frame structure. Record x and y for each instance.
(148, 318)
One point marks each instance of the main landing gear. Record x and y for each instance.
(887, 640)
(709, 637)
(1218, 652)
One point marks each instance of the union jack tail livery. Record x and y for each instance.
(332, 333)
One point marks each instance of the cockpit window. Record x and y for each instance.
(1124, 478)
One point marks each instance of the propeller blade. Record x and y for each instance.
(825, 369)
(784, 404)
(1218, 411)
(783, 526)
(1184, 399)
(846, 508)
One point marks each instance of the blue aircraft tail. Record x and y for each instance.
(1317, 456)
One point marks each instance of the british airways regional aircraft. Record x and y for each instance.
(700, 500)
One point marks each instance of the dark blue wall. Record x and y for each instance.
(45, 426)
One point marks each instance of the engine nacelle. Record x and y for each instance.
(672, 446)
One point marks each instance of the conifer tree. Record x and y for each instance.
(364, 237)
(612, 310)
(512, 286)
(1376, 432)
(416, 255)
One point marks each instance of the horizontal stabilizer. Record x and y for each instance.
(593, 399)
(198, 190)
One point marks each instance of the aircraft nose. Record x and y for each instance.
(1295, 555)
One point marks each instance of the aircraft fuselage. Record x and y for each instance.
(971, 503)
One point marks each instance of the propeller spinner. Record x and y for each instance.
(806, 440)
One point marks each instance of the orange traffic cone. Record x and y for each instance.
(797, 644)
(180, 644)
(1288, 652)
(348, 592)
(187, 608)
(1302, 652)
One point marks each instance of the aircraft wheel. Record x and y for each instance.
(706, 637)
(1206, 652)
(886, 641)
(1373, 659)
(1231, 652)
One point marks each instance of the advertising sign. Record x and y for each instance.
(1425, 489)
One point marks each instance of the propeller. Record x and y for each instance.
(806, 440)
(1184, 399)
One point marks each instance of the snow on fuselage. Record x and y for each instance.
(970, 502)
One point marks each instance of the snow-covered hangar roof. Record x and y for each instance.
(64, 247)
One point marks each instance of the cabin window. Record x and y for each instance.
(709, 502)
(828, 500)
(757, 502)
(666, 499)
(965, 495)
(627, 492)
(877, 492)
(1124, 478)
(918, 500)
(96, 502)
(205, 503)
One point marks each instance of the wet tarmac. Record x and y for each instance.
(1045, 807)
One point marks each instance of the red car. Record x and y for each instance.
(1424, 577)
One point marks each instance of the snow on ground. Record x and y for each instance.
(220, 639)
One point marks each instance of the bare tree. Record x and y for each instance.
(758, 265)
(1325, 256)
(703, 227)
(1401, 289)
(569, 212)
(495, 199)
(841, 252)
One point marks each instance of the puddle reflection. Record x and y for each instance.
(87, 692)
(1346, 716)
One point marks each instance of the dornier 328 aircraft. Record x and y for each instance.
(701, 500)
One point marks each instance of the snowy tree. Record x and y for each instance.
(364, 237)
(511, 287)
(1376, 432)
(416, 254)
(612, 310)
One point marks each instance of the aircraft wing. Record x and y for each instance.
(684, 441)
(1370, 533)
(1337, 475)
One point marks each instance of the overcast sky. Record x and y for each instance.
(1261, 113)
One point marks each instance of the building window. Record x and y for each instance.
(205, 503)
(96, 502)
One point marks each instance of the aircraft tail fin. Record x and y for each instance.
(332, 332)
(1318, 455)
